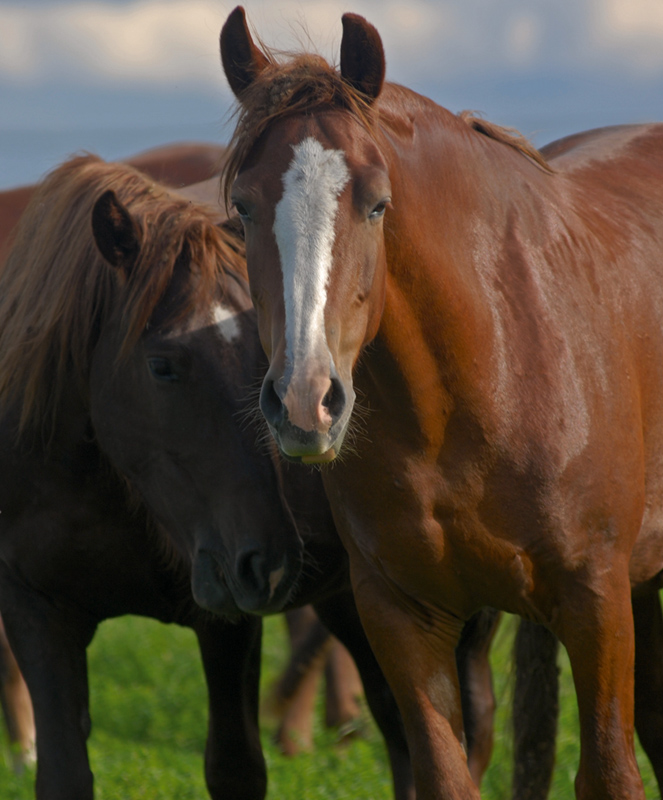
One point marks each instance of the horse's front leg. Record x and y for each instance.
(234, 763)
(415, 646)
(339, 614)
(596, 627)
(50, 643)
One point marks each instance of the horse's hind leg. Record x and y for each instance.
(234, 763)
(342, 690)
(535, 711)
(648, 621)
(292, 699)
(17, 706)
(476, 687)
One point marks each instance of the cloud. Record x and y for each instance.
(143, 42)
(158, 42)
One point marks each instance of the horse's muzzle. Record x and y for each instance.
(253, 586)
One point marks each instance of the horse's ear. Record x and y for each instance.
(242, 60)
(362, 56)
(116, 234)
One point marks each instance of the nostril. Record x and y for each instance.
(334, 400)
(251, 569)
(270, 403)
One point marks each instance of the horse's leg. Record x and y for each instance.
(339, 614)
(416, 650)
(234, 763)
(17, 706)
(342, 690)
(596, 626)
(50, 646)
(649, 678)
(535, 711)
(476, 688)
(292, 699)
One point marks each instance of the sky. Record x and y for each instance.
(117, 76)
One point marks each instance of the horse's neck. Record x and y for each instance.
(458, 198)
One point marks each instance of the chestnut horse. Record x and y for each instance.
(499, 315)
(128, 484)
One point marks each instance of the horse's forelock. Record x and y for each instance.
(302, 83)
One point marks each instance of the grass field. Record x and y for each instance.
(148, 706)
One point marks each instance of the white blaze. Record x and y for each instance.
(304, 230)
(225, 320)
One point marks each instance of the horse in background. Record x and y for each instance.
(499, 313)
(187, 166)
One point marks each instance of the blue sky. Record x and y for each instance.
(116, 77)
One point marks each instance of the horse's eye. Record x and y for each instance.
(380, 208)
(241, 210)
(162, 369)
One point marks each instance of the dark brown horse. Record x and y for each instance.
(129, 484)
(499, 315)
(176, 165)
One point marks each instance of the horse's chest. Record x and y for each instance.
(427, 539)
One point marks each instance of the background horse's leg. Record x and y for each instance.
(476, 688)
(649, 678)
(292, 699)
(596, 627)
(17, 707)
(535, 711)
(49, 644)
(340, 615)
(234, 763)
(343, 690)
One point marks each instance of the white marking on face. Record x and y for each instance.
(274, 580)
(225, 320)
(304, 230)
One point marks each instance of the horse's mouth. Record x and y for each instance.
(323, 458)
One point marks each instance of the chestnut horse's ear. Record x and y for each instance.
(242, 60)
(362, 56)
(115, 233)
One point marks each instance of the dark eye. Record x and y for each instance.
(162, 369)
(380, 208)
(241, 210)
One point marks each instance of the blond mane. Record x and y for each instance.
(56, 291)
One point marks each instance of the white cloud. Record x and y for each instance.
(631, 30)
(156, 42)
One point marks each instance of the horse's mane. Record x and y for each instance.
(306, 83)
(508, 136)
(56, 291)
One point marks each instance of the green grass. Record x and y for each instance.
(148, 705)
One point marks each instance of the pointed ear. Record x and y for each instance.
(242, 60)
(116, 234)
(362, 56)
